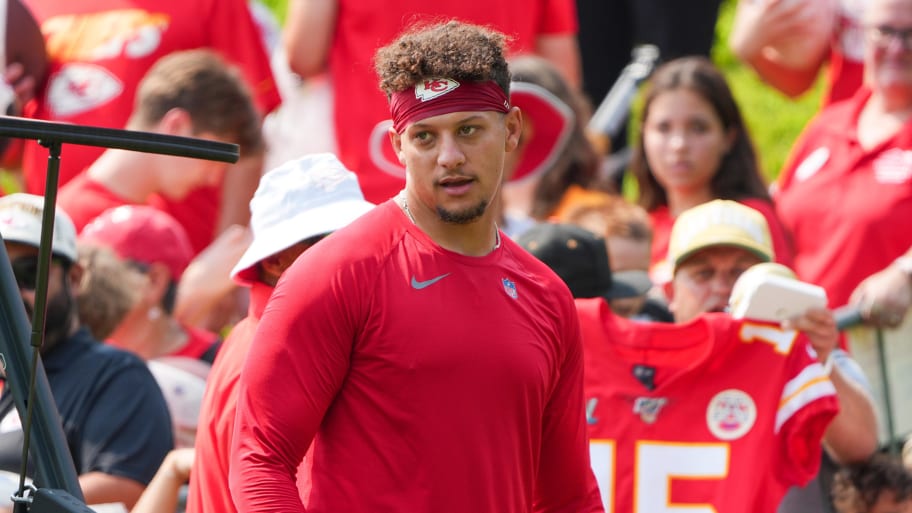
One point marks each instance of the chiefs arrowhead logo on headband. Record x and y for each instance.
(436, 96)
(432, 88)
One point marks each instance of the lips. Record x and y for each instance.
(681, 165)
(456, 184)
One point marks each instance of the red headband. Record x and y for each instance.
(436, 96)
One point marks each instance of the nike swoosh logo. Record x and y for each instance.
(418, 285)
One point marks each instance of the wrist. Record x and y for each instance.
(904, 265)
(829, 362)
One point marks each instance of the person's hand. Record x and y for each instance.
(884, 297)
(207, 280)
(23, 85)
(178, 463)
(761, 23)
(820, 327)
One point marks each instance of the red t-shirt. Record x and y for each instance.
(198, 213)
(662, 223)
(209, 486)
(427, 381)
(361, 110)
(98, 52)
(85, 199)
(846, 67)
(849, 210)
(844, 77)
(201, 344)
(733, 414)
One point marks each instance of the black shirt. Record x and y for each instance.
(115, 418)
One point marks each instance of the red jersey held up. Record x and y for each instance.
(718, 415)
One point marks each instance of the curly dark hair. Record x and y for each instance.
(858, 487)
(738, 176)
(451, 49)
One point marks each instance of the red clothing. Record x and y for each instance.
(209, 486)
(846, 67)
(201, 344)
(360, 106)
(735, 416)
(662, 222)
(427, 381)
(844, 76)
(197, 213)
(98, 52)
(849, 209)
(85, 199)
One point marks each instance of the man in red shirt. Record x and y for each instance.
(295, 206)
(192, 93)
(99, 51)
(427, 361)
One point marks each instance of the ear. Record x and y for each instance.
(513, 122)
(159, 279)
(668, 289)
(273, 266)
(396, 141)
(730, 139)
(176, 122)
(75, 276)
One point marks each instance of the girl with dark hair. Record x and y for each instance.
(693, 147)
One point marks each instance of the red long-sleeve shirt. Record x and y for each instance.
(426, 380)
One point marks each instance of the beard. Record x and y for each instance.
(57, 319)
(465, 216)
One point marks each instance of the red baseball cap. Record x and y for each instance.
(552, 122)
(142, 234)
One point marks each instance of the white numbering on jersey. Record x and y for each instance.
(781, 340)
(656, 465)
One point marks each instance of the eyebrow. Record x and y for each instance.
(462, 121)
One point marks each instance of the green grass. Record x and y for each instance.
(279, 7)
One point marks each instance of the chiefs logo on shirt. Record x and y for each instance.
(731, 414)
(84, 42)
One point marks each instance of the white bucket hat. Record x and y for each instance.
(302, 198)
(20, 221)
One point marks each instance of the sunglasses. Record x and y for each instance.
(882, 36)
(25, 269)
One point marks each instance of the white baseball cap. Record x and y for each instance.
(719, 223)
(302, 198)
(20, 221)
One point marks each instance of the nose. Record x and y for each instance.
(451, 155)
(677, 140)
(215, 174)
(722, 286)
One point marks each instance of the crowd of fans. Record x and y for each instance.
(174, 395)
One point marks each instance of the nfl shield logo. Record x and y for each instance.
(510, 288)
(648, 408)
